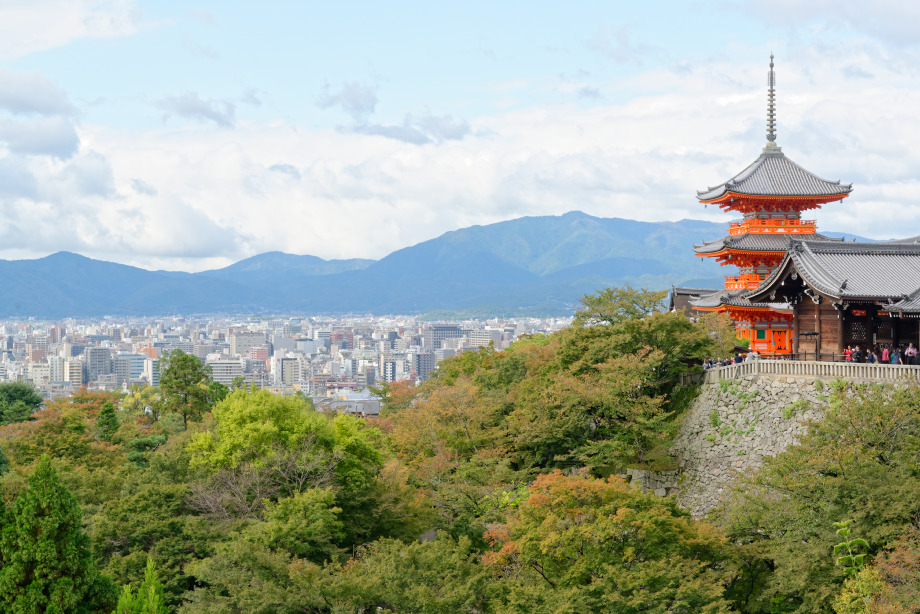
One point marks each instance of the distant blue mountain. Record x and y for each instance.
(275, 264)
(536, 265)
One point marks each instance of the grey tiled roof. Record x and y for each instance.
(773, 174)
(692, 291)
(910, 304)
(885, 270)
(733, 297)
(907, 240)
(751, 242)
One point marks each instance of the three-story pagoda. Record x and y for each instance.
(770, 194)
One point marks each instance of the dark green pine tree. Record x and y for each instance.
(47, 564)
(107, 422)
(4, 464)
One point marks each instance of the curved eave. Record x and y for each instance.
(728, 251)
(754, 308)
(727, 197)
(772, 282)
(777, 279)
(721, 307)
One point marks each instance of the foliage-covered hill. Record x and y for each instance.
(490, 489)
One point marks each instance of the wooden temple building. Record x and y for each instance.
(798, 293)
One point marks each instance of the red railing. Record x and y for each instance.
(772, 226)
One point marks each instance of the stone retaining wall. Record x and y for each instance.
(730, 428)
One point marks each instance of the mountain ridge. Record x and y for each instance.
(537, 265)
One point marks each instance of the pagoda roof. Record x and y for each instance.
(773, 174)
(749, 242)
(841, 271)
(734, 298)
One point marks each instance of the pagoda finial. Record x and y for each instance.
(771, 106)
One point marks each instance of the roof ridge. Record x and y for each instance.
(818, 177)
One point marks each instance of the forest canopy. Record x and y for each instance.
(493, 487)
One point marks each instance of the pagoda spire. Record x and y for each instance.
(771, 109)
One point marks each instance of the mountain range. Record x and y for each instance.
(527, 266)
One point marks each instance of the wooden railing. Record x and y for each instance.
(801, 368)
(772, 226)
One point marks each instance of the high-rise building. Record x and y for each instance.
(74, 373)
(98, 362)
(128, 367)
(432, 336)
(56, 368)
(422, 363)
(290, 371)
(151, 371)
(225, 371)
(242, 342)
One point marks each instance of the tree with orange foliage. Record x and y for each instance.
(64, 429)
(455, 421)
(395, 396)
(579, 544)
(892, 581)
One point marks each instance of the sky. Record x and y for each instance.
(190, 135)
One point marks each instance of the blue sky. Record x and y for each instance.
(188, 135)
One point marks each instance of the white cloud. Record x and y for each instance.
(30, 93)
(52, 136)
(891, 21)
(27, 26)
(357, 100)
(142, 187)
(221, 195)
(191, 106)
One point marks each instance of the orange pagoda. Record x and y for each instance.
(770, 195)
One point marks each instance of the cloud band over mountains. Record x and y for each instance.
(212, 153)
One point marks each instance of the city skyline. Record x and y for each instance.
(335, 360)
(188, 136)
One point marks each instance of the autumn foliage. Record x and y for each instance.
(495, 487)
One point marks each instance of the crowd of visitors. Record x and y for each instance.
(709, 363)
(885, 353)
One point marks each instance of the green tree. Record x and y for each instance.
(246, 576)
(721, 328)
(249, 424)
(138, 449)
(614, 305)
(17, 402)
(442, 576)
(216, 392)
(307, 525)
(609, 413)
(184, 385)
(48, 566)
(4, 463)
(142, 401)
(149, 598)
(860, 462)
(151, 521)
(107, 421)
(853, 563)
